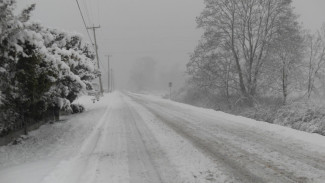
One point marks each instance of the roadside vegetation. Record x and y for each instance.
(255, 59)
(42, 70)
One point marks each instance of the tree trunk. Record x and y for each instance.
(310, 70)
(284, 85)
(23, 121)
(56, 114)
(227, 87)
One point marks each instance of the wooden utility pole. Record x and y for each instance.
(112, 80)
(170, 84)
(97, 57)
(108, 76)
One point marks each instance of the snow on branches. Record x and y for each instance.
(40, 68)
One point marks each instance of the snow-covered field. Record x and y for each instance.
(127, 137)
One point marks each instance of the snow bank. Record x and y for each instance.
(45, 148)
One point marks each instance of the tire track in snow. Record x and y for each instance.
(133, 154)
(141, 166)
(113, 167)
(75, 170)
(148, 150)
(191, 165)
(301, 153)
(217, 148)
(211, 149)
(289, 160)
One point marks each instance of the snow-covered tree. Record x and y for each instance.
(74, 61)
(237, 41)
(315, 62)
(12, 42)
(286, 55)
(41, 69)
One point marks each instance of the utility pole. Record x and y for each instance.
(170, 84)
(108, 76)
(97, 57)
(112, 80)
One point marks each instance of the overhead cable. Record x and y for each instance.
(84, 23)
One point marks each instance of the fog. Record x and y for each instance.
(162, 32)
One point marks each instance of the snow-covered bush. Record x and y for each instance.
(77, 108)
(41, 69)
(305, 116)
(74, 61)
(260, 113)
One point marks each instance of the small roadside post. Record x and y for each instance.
(170, 84)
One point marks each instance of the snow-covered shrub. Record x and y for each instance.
(305, 116)
(264, 109)
(41, 69)
(77, 108)
(260, 113)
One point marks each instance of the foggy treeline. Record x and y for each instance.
(256, 59)
(148, 75)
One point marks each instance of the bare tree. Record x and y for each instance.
(287, 52)
(315, 58)
(246, 29)
(212, 69)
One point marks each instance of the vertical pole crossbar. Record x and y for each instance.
(97, 57)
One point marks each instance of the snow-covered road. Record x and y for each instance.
(144, 139)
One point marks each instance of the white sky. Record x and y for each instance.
(130, 29)
(312, 13)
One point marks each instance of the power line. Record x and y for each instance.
(92, 17)
(87, 12)
(84, 23)
(98, 11)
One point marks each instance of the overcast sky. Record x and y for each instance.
(130, 29)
